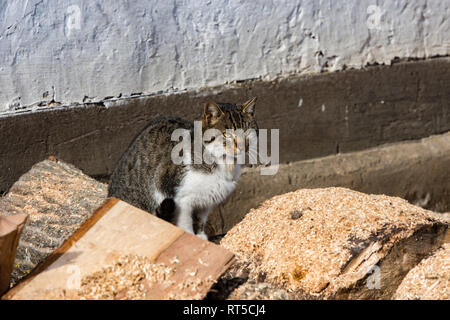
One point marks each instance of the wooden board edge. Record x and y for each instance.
(222, 271)
(91, 221)
(230, 260)
(227, 265)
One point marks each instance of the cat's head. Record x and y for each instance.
(234, 126)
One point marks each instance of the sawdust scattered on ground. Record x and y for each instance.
(429, 280)
(125, 276)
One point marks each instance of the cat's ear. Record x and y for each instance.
(212, 112)
(249, 106)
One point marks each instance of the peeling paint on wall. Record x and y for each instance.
(77, 50)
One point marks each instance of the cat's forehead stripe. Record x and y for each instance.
(234, 120)
(241, 120)
(234, 116)
(231, 118)
(241, 123)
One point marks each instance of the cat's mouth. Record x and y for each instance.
(229, 158)
(233, 153)
(228, 150)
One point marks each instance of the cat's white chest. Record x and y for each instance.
(203, 190)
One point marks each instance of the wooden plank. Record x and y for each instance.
(198, 264)
(10, 230)
(118, 229)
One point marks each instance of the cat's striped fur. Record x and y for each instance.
(146, 176)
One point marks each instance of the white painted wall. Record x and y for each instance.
(67, 50)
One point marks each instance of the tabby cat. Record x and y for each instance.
(184, 194)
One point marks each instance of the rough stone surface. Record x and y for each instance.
(346, 245)
(317, 116)
(58, 198)
(68, 51)
(429, 280)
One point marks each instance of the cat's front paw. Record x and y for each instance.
(202, 235)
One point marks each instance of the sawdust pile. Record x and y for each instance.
(132, 276)
(125, 276)
(307, 239)
(429, 280)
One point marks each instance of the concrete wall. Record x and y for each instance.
(317, 115)
(78, 50)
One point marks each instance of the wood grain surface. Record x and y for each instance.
(118, 229)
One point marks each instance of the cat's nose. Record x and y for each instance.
(239, 144)
(236, 147)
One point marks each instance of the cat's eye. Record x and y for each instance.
(226, 135)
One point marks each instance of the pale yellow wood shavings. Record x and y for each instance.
(124, 280)
(127, 273)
